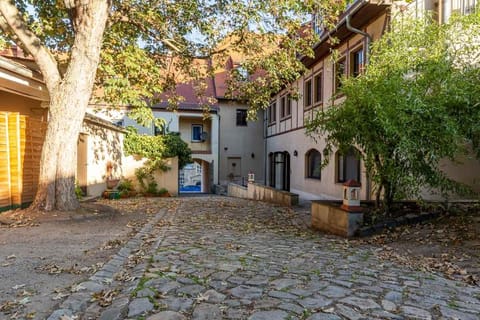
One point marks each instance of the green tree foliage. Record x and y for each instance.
(156, 149)
(149, 46)
(153, 45)
(417, 103)
(128, 52)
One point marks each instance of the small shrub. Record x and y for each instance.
(78, 191)
(162, 191)
(124, 194)
(152, 187)
(125, 185)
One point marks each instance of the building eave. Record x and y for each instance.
(360, 12)
(90, 118)
(18, 79)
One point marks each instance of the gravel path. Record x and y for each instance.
(40, 263)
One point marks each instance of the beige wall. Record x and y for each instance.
(289, 134)
(306, 188)
(240, 142)
(185, 128)
(103, 145)
(167, 179)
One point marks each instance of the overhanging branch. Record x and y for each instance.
(12, 22)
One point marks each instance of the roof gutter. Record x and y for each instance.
(353, 9)
(7, 64)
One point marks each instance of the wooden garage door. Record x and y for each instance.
(5, 192)
(21, 141)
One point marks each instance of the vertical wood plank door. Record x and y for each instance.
(5, 192)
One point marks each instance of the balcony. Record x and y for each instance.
(196, 132)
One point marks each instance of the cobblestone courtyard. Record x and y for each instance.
(218, 257)
(224, 258)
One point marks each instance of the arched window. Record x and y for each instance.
(347, 165)
(313, 160)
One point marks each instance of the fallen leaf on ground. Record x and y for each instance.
(104, 298)
(18, 286)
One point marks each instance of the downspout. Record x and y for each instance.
(363, 33)
(265, 135)
(440, 12)
(369, 39)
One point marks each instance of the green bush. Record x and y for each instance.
(78, 191)
(156, 149)
(152, 187)
(125, 185)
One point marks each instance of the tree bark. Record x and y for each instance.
(69, 98)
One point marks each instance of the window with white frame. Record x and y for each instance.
(285, 106)
(340, 67)
(288, 107)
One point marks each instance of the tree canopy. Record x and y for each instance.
(149, 46)
(417, 103)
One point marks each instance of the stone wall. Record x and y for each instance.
(164, 179)
(260, 192)
(329, 217)
(237, 191)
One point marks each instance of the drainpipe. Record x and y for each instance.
(440, 12)
(369, 38)
(265, 134)
(363, 33)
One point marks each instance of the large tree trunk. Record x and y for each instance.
(56, 188)
(68, 104)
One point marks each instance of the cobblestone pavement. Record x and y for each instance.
(224, 258)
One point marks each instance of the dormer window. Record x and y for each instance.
(242, 73)
(317, 23)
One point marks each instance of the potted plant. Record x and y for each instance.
(110, 180)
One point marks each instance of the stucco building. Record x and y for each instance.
(293, 158)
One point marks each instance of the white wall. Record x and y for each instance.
(306, 188)
(289, 134)
(104, 145)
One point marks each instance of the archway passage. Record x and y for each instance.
(194, 177)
